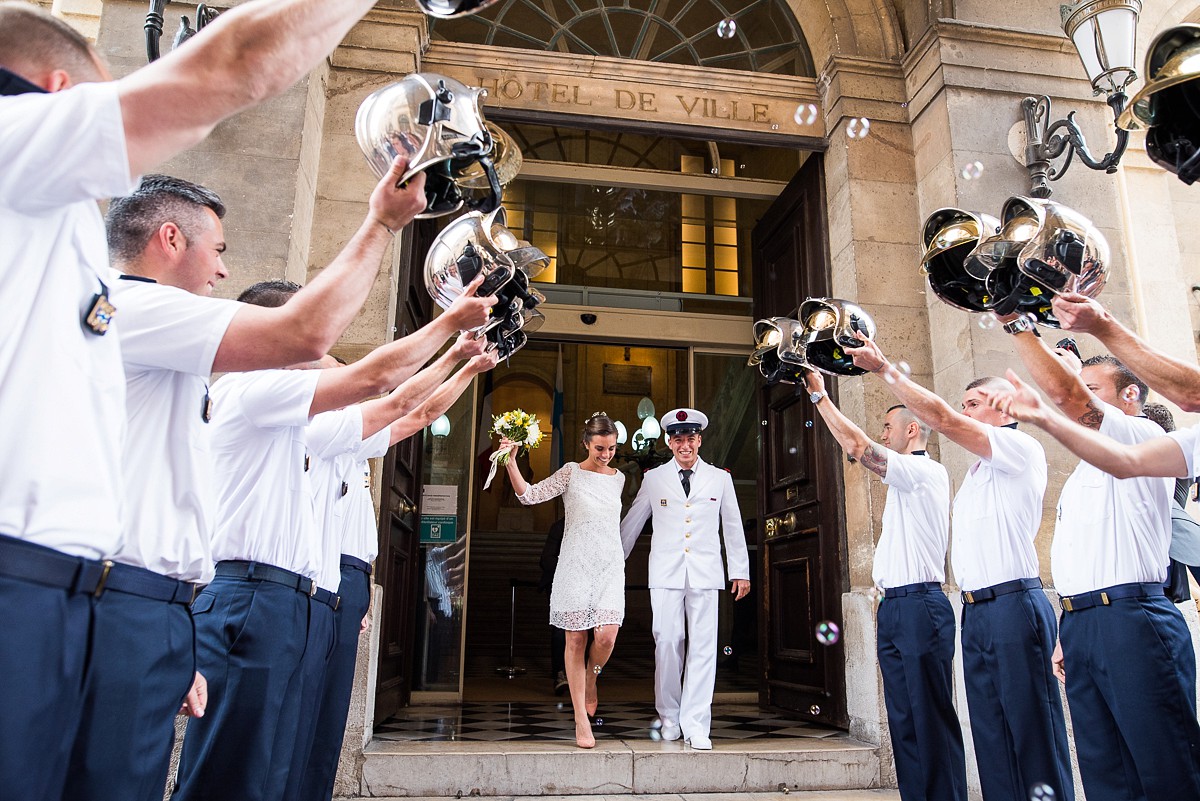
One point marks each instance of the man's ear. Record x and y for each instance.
(170, 238)
(57, 81)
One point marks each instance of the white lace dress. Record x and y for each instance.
(589, 582)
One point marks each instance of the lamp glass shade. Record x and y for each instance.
(645, 408)
(651, 429)
(622, 434)
(1105, 40)
(440, 427)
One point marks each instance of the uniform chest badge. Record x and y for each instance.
(206, 408)
(662, 501)
(100, 315)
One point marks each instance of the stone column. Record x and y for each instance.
(84, 15)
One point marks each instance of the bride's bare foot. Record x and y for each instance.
(583, 735)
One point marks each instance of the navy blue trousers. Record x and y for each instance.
(45, 635)
(1017, 721)
(142, 666)
(916, 659)
(319, 774)
(1131, 685)
(250, 640)
(307, 689)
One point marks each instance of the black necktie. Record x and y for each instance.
(685, 476)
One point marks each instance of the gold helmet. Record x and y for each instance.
(830, 325)
(950, 236)
(1168, 104)
(1042, 248)
(779, 351)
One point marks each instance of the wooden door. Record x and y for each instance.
(399, 536)
(801, 528)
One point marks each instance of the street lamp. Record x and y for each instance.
(1104, 33)
(440, 427)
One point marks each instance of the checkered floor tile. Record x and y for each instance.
(526, 722)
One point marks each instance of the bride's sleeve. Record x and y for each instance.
(548, 488)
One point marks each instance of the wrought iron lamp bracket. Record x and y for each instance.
(1048, 141)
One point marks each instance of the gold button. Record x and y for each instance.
(688, 520)
(687, 506)
(688, 534)
(686, 550)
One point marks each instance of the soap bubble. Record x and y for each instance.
(971, 170)
(1041, 792)
(808, 423)
(559, 705)
(599, 721)
(903, 369)
(728, 651)
(828, 632)
(814, 710)
(714, 171)
(987, 321)
(858, 128)
(774, 127)
(806, 114)
(726, 28)
(596, 670)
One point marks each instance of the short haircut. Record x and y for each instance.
(908, 417)
(133, 220)
(34, 41)
(987, 381)
(1122, 376)
(270, 294)
(1159, 414)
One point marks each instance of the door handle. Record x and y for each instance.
(402, 506)
(785, 524)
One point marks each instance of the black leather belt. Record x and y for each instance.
(260, 571)
(996, 590)
(356, 563)
(912, 589)
(1104, 597)
(148, 584)
(46, 566)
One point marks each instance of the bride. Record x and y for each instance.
(588, 593)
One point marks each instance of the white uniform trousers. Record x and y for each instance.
(684, 697)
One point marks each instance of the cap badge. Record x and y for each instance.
(681, 416)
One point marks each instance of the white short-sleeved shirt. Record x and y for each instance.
(1188, 440)
(916, 522)
(62, 390)
(360, 527)
(264, 496)
(331, 438)
(997, 512)
(169, 339)
(1112, 531)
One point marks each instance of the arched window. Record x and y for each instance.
(767, 37)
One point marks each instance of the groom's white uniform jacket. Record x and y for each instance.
(685, 549)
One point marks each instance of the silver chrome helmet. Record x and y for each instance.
(1042, 248)
(830, 325)
(480, 244)
(954, 276)
(779, 350)
(449, 9)
(437, 122)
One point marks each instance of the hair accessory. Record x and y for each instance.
(598, 414)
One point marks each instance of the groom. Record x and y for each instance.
(688, 499)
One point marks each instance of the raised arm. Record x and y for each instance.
(1158, 457)
(390, 365)
(409, 396)
(1176, 380)
(441, 400)
(1065, 389)
(308, 325)
(927, 406)
(247, 55)
(850, 437)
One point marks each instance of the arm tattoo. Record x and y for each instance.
(1093, 417)
(874, 458)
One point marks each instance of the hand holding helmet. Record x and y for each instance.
(468, 311)
(395, 203)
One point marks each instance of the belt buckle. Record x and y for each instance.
(1104, 599)
(108, 566)
(969, 597)
(1066, 602)
(312, 589)
(337, 601)
(195, 593)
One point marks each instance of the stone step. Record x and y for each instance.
(623, 767)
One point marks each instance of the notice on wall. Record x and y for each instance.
(439, 513)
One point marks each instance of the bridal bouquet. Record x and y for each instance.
(519, 426)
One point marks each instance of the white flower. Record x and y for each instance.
(535, 431)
